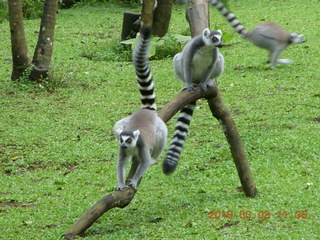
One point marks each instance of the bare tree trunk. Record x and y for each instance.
(18, 41)
(197, 15)
(43, 52)
(161, 18)
(147, 13)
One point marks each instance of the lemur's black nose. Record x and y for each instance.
(219, 45)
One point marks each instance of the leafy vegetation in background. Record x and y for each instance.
(58, 153)
(31, 9)
(3, 11)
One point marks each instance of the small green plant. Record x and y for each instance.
(23, 84)
(114, 51)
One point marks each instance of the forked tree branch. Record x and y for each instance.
(123, 198)
(219, 111)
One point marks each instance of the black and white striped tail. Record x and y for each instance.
(234, 22)
(143, 73)
(182, 127)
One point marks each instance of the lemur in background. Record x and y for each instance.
(142, 135)
(265, 35)
(198, 63)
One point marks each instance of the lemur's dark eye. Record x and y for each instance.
(129, 140)
(215, 39)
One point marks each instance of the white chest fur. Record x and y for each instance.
(201, 61)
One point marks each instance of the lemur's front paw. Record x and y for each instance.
(190, 89)
(204, 87)
(211, 83)
(134, 184)
(120, 187)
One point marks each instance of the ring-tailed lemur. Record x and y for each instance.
(142, 135)
(196, 62)
(199, 62)
(267, 35)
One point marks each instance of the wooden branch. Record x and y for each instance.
(182, 99)
(115, 199)
(220, 112)
(123, 198)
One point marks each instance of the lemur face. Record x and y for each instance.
(297, 38)
(212, 38)
(128, 139)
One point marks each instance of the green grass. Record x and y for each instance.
(58, 153)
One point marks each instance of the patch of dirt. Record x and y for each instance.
(317, 119)
(12, 169)
(16, 204)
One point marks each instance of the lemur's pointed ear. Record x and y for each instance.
(206, 32)
(136, 133)
(119, 131)
(219, 31)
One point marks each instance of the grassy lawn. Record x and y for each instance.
(58, 153)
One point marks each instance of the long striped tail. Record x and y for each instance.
(143, 73)
(182, 127)
(234, 22)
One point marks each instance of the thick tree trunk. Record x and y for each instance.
(161, 18)
(18, 41)
(43, 52)
(197, 15)
(147, 13)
